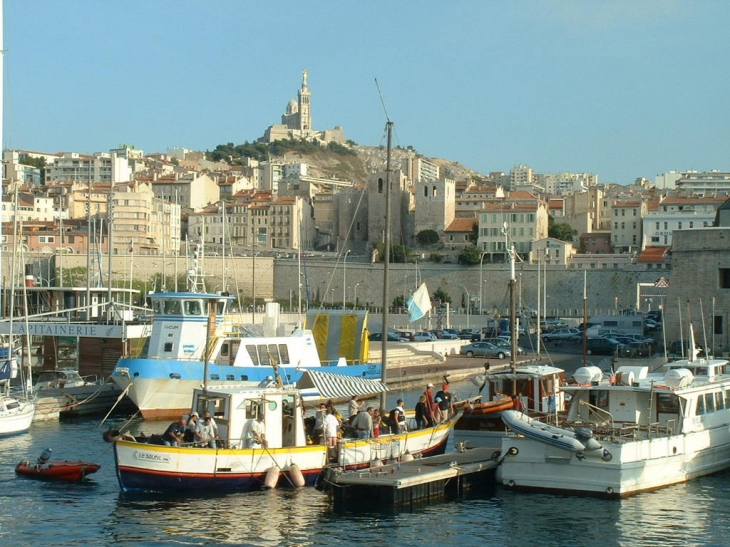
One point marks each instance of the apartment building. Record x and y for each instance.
(678, 213)
(626, 230)
(512, 222)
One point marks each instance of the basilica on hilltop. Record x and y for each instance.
(296, 122)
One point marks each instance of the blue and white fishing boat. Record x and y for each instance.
(194, 340)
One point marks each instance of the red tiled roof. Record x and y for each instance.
(654, 254)
(461, 225)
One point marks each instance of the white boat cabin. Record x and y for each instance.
(684, 396)
(235, 408)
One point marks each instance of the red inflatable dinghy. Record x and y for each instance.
(56, 470)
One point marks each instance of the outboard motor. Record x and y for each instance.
(45, 456)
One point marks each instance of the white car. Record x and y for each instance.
(424, 337)
(561, 334)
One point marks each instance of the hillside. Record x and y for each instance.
(369, 159)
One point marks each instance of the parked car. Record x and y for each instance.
(484, 349)
(470, 334)
(560, 334)
(550, 325)
(603, 346)
(424, 337)
(652, 325)
(442, 334)
(378, 337)
(505, 344)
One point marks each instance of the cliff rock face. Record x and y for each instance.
(369, 159)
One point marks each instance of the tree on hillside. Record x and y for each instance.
(474, 235)
(469, 256)
(427, 237)
(441, 296)
(398, 253)
(562, 231)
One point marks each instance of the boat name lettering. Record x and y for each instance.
(151, 457)
(172, 327)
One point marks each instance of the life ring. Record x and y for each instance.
(511, 483)
(609, 490)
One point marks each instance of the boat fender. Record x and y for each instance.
(407, 457)
(606, 456)
(513, 451)
(495, 455)
(272, 477)
(580, 456)
(326, 479)
(296, 475)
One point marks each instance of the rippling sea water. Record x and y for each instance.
(40, 514)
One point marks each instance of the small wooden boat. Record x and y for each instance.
(72, 471)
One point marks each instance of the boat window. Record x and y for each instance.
(709, 402)
(167, 348)
(727, 398)
(221, 306)
(253, 354)
(224, 350)
(667, 403)
(230, 377)
(215, 377)
(157, 307)
(273, 351)
(719, 401)
(284, 354)
(172, 307)
(193, 307)
(700, 406)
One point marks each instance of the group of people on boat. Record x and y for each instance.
(365, 422)
(192, 431)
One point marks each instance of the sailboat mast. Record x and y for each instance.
(386, 265)
(585, 317)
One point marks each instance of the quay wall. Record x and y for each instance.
(361, 282)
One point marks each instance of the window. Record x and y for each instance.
(724, 278)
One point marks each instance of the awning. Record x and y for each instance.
(338, 386)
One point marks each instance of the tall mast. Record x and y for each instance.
(386, 265)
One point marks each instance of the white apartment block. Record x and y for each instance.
(521, 175)
(564, 184)
(667, 181)
(190, 191)
(679, 213)
(100, 167)
(703, 183)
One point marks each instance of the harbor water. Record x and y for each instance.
(96, 512)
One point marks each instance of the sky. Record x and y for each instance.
(621, 88)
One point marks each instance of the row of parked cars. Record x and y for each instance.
(607, 342)
(424, 336)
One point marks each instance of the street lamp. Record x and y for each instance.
(344, 279)
(468, 304)
(481, 263)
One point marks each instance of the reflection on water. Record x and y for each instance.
(41, 514)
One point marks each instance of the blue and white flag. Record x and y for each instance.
(419, 303)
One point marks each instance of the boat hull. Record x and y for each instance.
(15, 416)
(631, 467)
(481, 425)
(70, 471)
(145, 467)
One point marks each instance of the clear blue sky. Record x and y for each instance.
(622, 88)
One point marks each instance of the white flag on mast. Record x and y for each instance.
(419, 303)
